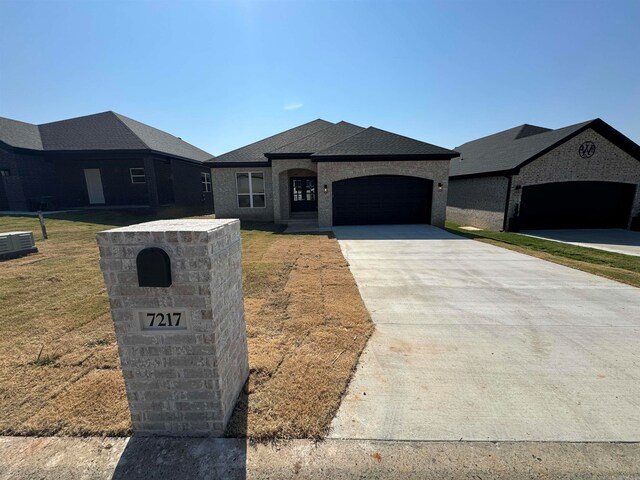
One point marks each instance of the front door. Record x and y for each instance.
(94, 186)
(304, 195)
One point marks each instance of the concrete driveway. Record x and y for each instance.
(477, 342)
(611, 239)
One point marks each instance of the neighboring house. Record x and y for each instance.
(103, 159)
(581, 176)
(339, 174)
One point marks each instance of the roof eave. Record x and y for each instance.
(214, 164)
(496, 173)
(385, 157)
(603, 128)
(281, 156)
(20, 149)
(122, 151)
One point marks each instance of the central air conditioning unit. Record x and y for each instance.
(16, 244)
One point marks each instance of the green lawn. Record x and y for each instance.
(616, 266)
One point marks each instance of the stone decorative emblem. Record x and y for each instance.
(587, 149)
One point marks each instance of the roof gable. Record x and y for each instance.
(255, 152)
(161, 141)
(507, 150)
(317, 141)
(373, 142)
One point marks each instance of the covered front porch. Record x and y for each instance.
(295, 193)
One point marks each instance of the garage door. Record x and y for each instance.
(382, 199)
(576, 205)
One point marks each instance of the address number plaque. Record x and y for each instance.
(164, 320)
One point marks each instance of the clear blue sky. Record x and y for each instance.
(223, 74)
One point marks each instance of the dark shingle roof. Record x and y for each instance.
(373, 142)
(317, 141)
(100, 131)
(507, 150)
(255, 152)
(20, 134)
(164, 142)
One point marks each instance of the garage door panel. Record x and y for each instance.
(382, 199)
(576, 205)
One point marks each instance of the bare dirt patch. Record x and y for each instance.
(59, 368)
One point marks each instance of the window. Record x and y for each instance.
(205, 178)
(250, 188)
(137, 175)
(5, 173)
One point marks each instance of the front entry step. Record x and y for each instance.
(303, 215)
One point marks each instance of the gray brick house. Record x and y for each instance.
(105, 159)
(581, 176)
(337, 173)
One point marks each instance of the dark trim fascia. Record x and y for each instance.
(382, 158)
(498, 173)
(557, 144)
(135, 152)
(29, 151)
(288, 156)
(103, 153)
(239, 164)
(598, 125)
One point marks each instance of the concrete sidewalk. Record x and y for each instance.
(30, 458)
(614, 240)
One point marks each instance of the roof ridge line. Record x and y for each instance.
(271, 136)
(301, 138)
(408, 138)
(128, 128)
(364, 129)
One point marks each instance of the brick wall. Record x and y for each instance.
(225, 198)
(180, 383)
(436, 170)
(479, 202)
(609, 163)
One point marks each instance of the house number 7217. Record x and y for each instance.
(164, 319)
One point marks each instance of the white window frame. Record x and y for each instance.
(251, 194)
(205, 180)
(137, 175)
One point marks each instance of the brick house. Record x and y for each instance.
(335, 174)
(581, 176)
(105, 159)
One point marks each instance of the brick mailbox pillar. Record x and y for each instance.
(175, 288)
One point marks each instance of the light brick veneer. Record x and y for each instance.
(609, 163)
(435, 170)
(180, 383)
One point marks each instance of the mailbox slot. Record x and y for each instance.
(154, 268)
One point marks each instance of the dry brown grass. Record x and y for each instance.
(306, 325)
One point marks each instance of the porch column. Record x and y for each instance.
(152, 183)
(275, 185)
